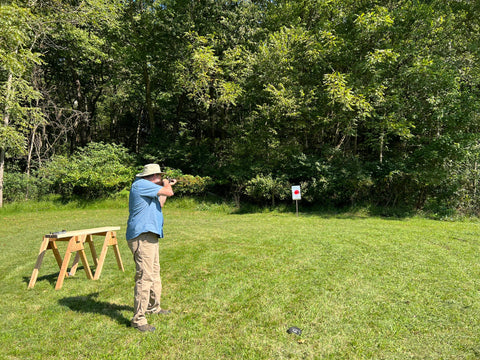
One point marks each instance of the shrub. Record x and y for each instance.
(96, 170)
(188, 184)
(339, 181)
(314, 189)
(19, 186)
(267, 188)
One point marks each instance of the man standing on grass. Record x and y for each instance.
(145, 226)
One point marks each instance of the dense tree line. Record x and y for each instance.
(356, 100)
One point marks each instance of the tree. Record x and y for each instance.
(80, 62)
(17, 96)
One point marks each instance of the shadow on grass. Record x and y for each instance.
(89, 304)
(353, 212)
(52, 278)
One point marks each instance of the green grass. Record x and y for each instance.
(359, 287)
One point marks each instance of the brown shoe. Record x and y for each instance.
(145, 328)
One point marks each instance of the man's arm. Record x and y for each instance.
(165, 191)
(162, 199)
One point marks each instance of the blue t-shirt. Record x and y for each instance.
(145, 210)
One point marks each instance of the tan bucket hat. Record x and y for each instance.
(150, 169)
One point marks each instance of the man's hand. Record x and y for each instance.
(166, 190)
(172, 181)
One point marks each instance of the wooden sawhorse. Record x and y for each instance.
(76, 241)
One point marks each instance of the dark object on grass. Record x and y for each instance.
(294, 330)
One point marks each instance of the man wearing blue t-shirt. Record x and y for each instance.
(145, 226)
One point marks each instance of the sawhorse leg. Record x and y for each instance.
(41, 254)
(73, 269)
(74, 244)
(47, 243)
(110, 240)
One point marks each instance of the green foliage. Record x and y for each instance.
(96, 170)
(17, 91)
(19, 187)
(201, 76)
(267, 188)
(192, 185)
(342, 182)
(188, 184)
(339, 92)
(380, 98)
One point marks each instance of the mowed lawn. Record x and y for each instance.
(358, 287)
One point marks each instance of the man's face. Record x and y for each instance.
(157, 179)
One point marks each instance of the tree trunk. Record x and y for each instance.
(6, 119)
(137, 134)
(29, 159)
(475, 179)
(382, 136)
(148, 97)
(2, 162)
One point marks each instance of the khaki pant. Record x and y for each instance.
(148, 285)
